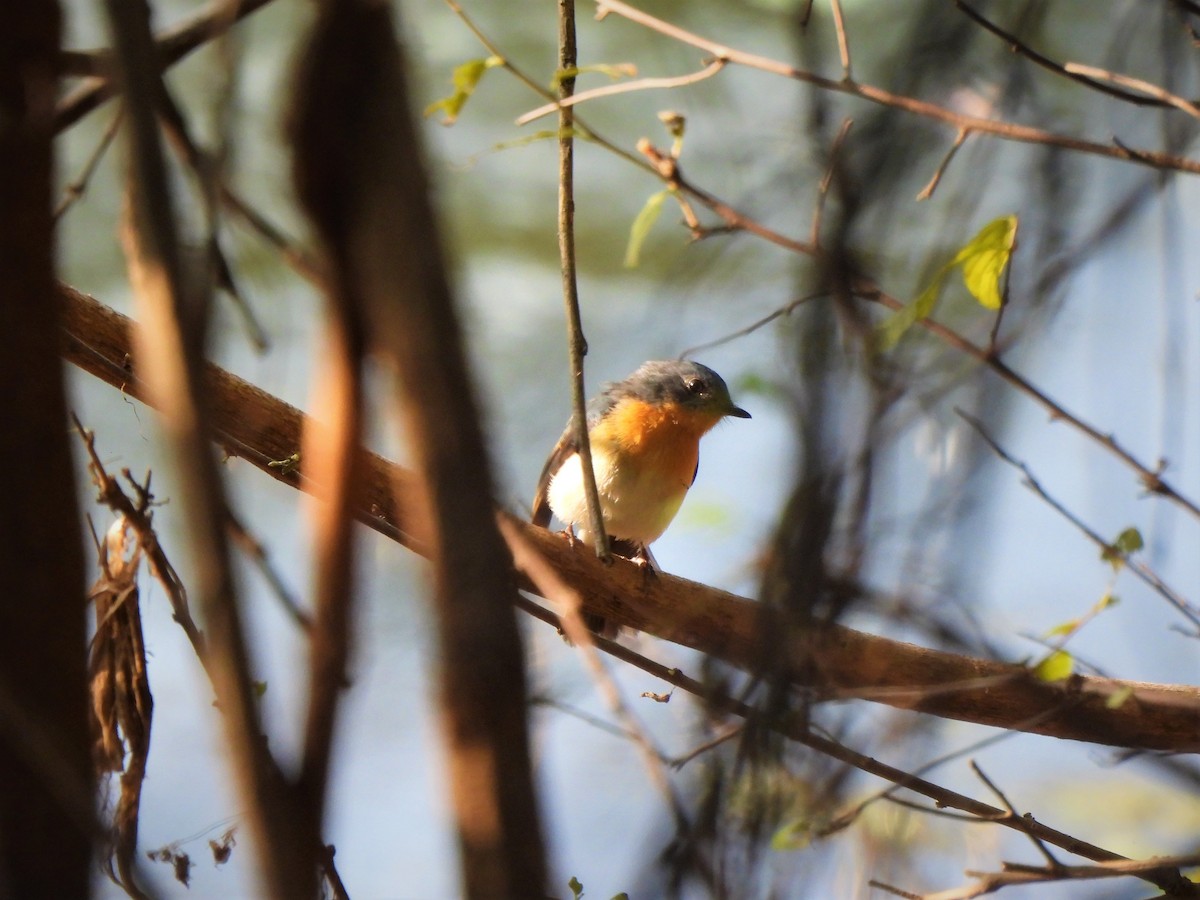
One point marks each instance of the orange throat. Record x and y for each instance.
(661, 438)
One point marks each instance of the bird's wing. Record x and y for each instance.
(563, 450)
(565, 447)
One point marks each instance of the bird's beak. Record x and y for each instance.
(738, 412)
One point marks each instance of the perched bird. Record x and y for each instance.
(645, 437)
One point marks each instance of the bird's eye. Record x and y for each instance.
(695, 385)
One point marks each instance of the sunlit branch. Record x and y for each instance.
(628, 87)
(1004, 130)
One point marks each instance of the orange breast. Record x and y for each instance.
(663, 438)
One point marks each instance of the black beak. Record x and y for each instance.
(738, 412)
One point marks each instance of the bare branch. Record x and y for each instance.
(1016, 816)
(1151, 478)
(1019, 46)
(827, 180)
(1004, 130)
(927, 191)
(1144, 572)
(627, 87)
(73, 191)
(1146, 87)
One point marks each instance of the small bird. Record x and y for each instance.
(645, 438)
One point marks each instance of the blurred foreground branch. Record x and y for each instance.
(359, 174)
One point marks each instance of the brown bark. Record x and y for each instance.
(359, 173)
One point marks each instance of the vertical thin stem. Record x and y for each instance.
(567, 60)
(843, 42)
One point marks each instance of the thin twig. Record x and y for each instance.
(567, 602)
(74, 190)
(1144, 572)
(139, 518)
(253, 548)
(209, 180)
(839, 23)
(1004, 130)
(753, 326)
(581, 129)
(851, 813)
(827, 181)
(576, 342)
(926, 192)
(1165, 876)
(1146, 87)
(336, 887)
(173, 45)
(727, 734)
(895, 891)
(1151, 479)
(1019, 46)
(1012, 811)
(627, 87)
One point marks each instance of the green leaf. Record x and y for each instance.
(641, 227)
(897, 324)
(1109, 599)
(1128, 541)
(466, 78)
(1118, 697)
(983, 260)
(576, 888)
(260, 688)
(1055, 667)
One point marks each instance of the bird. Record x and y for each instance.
(645, 435)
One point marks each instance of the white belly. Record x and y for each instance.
(636, 507)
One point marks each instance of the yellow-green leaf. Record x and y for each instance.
(576, 887)
(1063, 628)
(466, 79)
(641, 227)
(1129, 541)
(983, 260)
(1055, 667)
(894, 326)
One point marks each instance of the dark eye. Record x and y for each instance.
(695, 386)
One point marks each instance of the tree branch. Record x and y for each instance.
(1005, 130)
(253, 424)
